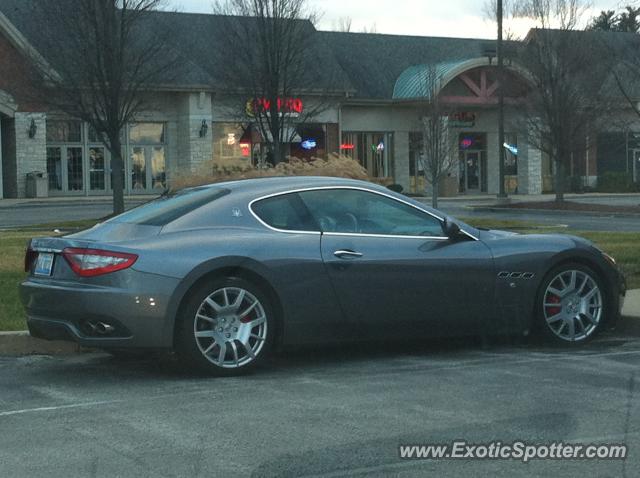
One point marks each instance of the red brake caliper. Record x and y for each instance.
(246, 318)
(552, 310)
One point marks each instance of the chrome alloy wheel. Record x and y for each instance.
(572, 305)
(230, 327)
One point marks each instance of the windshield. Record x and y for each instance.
(166, 209)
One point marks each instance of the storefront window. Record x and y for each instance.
(64, 131)
(147, 133)
(148, 161)
(312, 142)
(97, 169)
(511, 155)
(64, 156)
(232, 145)
(374, 151)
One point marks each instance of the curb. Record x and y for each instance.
(21, 343)
(551, 211)
(67, 204)
(628, 326)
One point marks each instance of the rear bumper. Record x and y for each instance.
(58, 310)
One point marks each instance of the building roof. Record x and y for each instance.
(364, 65)
(374, 62)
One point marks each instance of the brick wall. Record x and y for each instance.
(17, 77)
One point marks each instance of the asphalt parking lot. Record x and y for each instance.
(326, 412)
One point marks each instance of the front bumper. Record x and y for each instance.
(137, 312)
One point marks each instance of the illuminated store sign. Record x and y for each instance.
(308, 144)
(462, 119)
(511, 148)
(347, 146)
(466, 143)
(292, 107)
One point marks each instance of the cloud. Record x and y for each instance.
(449, 18)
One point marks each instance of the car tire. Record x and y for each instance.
(225, 327)
(571, 305)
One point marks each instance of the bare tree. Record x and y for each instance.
(105, 56)
(490, 12)
(552, 14)
(271, 41)
(561, 110)
(437, 146)
(373, 28)
(343, 24)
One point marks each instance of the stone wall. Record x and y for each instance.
(30, 153)
(194, 150)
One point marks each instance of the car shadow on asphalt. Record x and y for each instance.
(165, 366)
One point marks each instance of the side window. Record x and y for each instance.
(285, 212)
(362, 212)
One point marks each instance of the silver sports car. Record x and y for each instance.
(225, 273)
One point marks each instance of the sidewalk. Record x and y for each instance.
(66, 200)
(632, 304)
(596, 198)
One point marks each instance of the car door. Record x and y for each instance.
(393, 269)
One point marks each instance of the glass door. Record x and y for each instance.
(65, 169)
(98, 170)
(148, 169)
(473, 171)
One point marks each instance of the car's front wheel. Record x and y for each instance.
(571, 304)
(225, 327)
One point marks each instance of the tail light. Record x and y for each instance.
(29, 258)
(96, 262)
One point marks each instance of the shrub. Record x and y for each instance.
(616, 182)
(211, 172)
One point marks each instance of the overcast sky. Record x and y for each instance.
(452, 18)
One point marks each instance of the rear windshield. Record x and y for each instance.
(166, 209)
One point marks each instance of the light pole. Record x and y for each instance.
(500, 55)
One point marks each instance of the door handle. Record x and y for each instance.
(347, 254)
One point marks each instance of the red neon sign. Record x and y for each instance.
(245, 149)
(347, 146)
(289, 106)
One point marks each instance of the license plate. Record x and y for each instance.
(44, 264)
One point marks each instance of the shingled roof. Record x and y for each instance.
(374, 61)
(365, 65)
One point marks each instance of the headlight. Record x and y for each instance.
(609, 258)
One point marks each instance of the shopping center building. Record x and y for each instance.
(373, 102)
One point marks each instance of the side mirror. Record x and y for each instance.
(451, 229)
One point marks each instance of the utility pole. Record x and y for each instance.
(500, 55)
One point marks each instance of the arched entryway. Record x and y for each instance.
(468, 93)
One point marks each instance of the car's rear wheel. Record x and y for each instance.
(571, 304)
(225, 327)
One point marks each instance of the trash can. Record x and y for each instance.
(37, 185)
(448, 186)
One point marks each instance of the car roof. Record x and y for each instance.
(273, 185)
